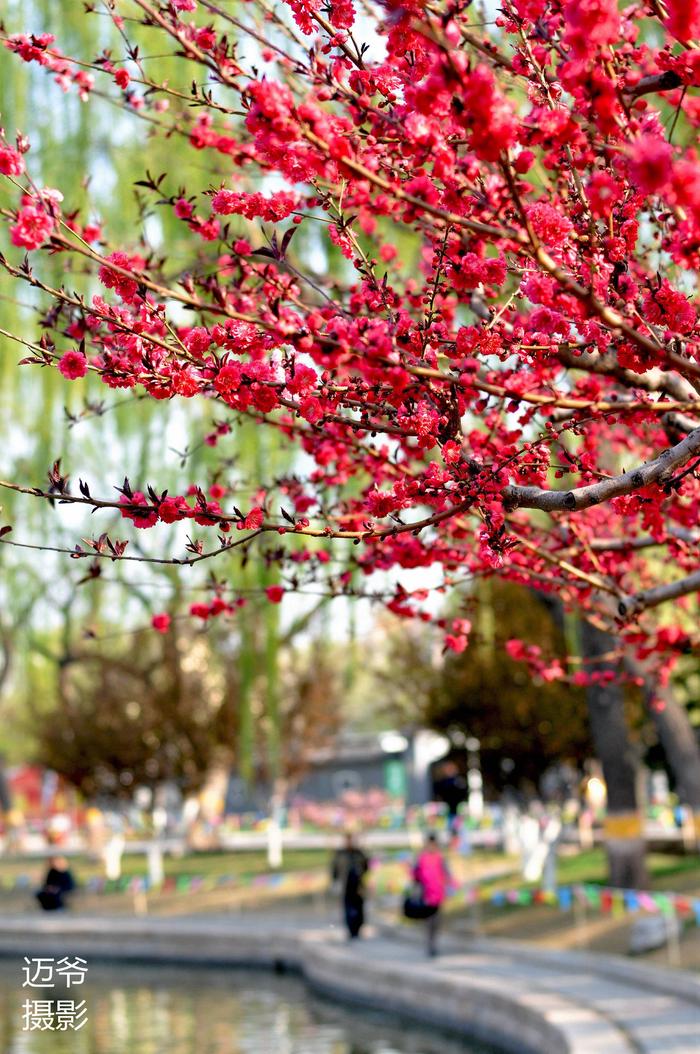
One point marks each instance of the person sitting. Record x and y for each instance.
(59, 882)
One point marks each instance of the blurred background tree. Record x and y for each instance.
(45, 670)
(524, 725)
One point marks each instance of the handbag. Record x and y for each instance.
(414, 906)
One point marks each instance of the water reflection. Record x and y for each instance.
(176, 1011)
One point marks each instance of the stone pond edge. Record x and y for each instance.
(521, 1020)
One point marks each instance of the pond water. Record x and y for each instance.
(158, 1010)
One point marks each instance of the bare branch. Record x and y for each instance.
(651, 598)
(656, 82)
(675, 534)
(656, 471)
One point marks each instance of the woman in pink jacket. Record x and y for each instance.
(431, 872)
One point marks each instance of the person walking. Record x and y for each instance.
(431, 873)
(348, 872)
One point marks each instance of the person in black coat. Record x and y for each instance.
(59, 882)
(348, 871)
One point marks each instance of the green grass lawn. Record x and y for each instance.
(665, 869)
(207, 864)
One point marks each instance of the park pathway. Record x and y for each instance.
(527, 999)
(657, 1010)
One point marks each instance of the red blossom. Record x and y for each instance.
(73, 364)
(668, 307)
(125, 285)
(161, 622)
(207, 513)
(549, 223)
(590, 24)
(488, 115)
(139, 509)
(33, 227)
(650, 163)
(301, 378)
(183, 209)
(197, 340)
(171, 510)
(11, 161)
(458, 639)
(342, 14)
(683, 19)
(228, 379)
(252, 206)
(254, 519)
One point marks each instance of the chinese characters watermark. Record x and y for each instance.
(53, 1015)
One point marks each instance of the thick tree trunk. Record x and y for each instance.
(680, 746)
(618, 757)
(676, 735)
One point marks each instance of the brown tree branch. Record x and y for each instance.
(651, 598)
(655, 471)
(656, 82)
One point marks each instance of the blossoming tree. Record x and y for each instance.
(506, 378)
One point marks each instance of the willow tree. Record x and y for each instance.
(92, 155)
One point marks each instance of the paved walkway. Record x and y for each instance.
(658, 1010)
(652, 1022)
(527, 999)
